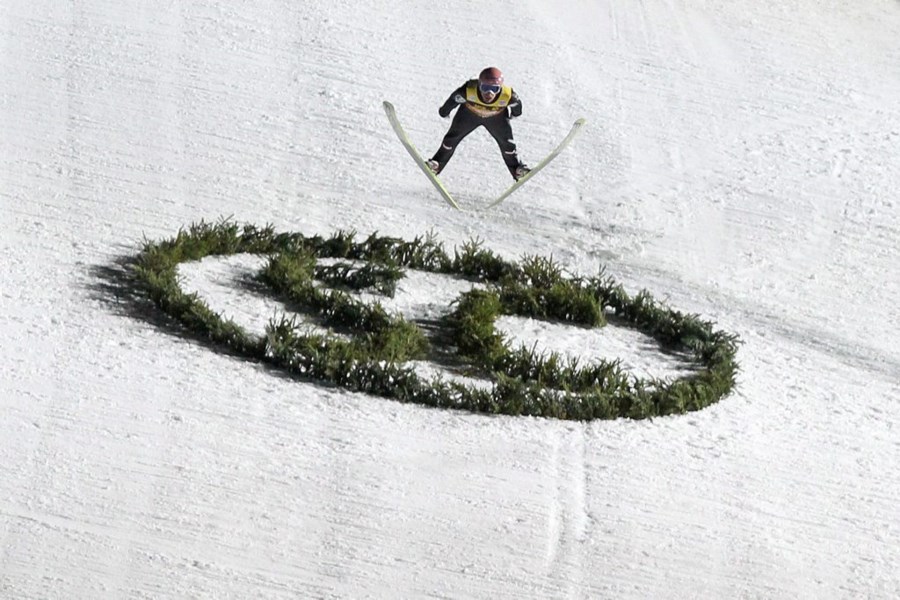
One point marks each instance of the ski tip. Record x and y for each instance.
(387, 104)
(580, 121)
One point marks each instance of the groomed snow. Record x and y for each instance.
(740, 162)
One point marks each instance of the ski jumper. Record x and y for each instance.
(476, 112)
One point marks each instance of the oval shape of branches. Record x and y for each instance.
(367, 349)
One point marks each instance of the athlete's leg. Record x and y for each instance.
(501, 131)
(464, 123)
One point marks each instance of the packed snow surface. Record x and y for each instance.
(740, 162)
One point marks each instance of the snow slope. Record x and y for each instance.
(740, 162)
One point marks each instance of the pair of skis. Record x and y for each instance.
(439, 185)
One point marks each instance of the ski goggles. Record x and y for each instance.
(489, 89)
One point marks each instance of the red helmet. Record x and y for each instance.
(490, 76)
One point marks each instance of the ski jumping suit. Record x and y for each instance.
(476, 112)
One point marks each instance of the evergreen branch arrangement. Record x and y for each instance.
(367, 349)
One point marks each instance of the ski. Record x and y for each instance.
(404, 139)
(576, 127)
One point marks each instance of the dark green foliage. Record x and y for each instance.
(383, 279)
(372, 359)
(565, 301)
(474, 262)
(540, 272)
(472, 324)
(379, 336)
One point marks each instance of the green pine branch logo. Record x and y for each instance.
(367, 349)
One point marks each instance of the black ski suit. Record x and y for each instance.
(474, 113)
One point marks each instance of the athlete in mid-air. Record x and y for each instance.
(484, 101)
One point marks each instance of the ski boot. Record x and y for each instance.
(521, 171)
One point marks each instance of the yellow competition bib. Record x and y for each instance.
(484, 109)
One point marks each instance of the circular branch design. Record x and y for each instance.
(373, 356)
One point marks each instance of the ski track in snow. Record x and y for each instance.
(739, 162)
